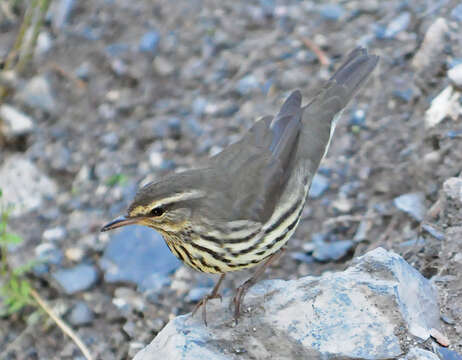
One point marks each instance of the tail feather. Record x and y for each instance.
(354, 71)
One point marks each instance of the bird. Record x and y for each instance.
(239, 209)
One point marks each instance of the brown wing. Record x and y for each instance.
(255, 167)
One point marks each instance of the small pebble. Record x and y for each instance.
(439, 337)
(62, 12)
(80, 314)
(397, 25)
(149, 42)
(247, 85)
(455, 75)
(48, 253)
(437, 234)
(14, 122)
(163, 66)
(54, 234)
(319, 186)
(332, 11)
(447, 319)
(328, 251)
(456, 13)
(37, 94)
(412, 204)
(75, 279)
(74, 254)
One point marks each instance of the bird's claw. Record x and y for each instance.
(203, 302)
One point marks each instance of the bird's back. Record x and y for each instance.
(258, 168)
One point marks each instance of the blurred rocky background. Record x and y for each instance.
(119, 92)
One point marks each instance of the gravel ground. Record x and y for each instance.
(121, 92)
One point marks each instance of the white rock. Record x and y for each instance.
(352, 314)
(155, 159)
(44, 43)
(432, 46)
(54, 234)
(446, 104)
(455, 75)
(163, 66)
(412, 204)
(15, 123)
(24, 185)
(452, 187)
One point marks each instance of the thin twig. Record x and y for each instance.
(321, 55)
(61, 324)
(56, 67)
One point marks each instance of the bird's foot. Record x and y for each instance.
(239, 297)
(203, 303)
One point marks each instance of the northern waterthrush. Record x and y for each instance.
(241, 208)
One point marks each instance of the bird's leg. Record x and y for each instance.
(241, 290)
(213, 295)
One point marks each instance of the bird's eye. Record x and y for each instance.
(157, 211)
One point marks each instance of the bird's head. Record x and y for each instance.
(166, 205)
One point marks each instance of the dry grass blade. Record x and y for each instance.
(62, 325)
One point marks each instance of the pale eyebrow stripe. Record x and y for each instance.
(186, 195)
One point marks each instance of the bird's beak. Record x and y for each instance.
(120, 221)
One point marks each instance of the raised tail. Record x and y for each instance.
(354, 71)
(322, 113)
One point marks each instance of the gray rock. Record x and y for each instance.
(14, 123)
(83, 70)
(404, 95)
(319, 185)
(397, 25)
(331, 11)
(355, 314)
(419, 354)
(412, 204)
(27, 186)
(75, 279)
(149, 42)
(135, 253)
(37, 94)
(49, 254)
(447, 354)
(456, 13)
(80, 314)
(247, 85)
(332, 251)
(455, 75)
(61, 11)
